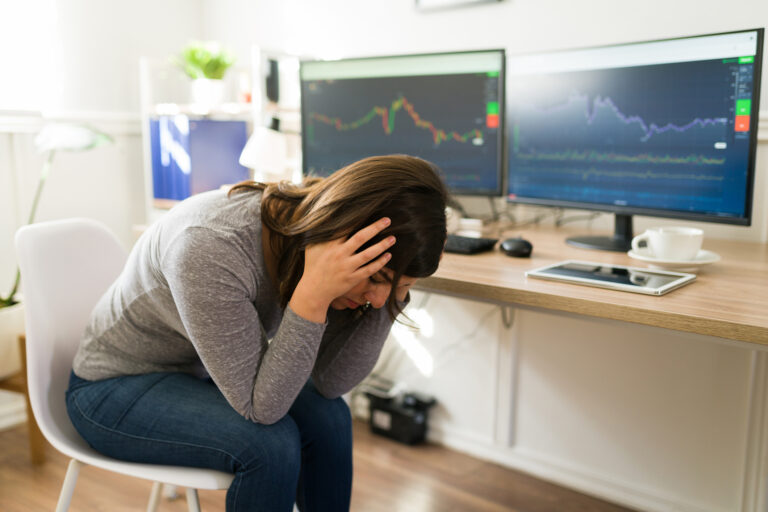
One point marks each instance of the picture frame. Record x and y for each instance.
(434, 5)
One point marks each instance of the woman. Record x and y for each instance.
(241, 318)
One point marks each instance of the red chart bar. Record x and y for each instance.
(741, 124)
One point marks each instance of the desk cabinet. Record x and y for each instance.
(658, 403)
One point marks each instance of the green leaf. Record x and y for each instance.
(205, 60)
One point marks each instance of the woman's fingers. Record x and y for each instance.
(373, 251)
(361, 237)
(334, 267)
(371, 268)
(365, 235)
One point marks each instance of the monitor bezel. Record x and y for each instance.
(501, 166)
(745, 220)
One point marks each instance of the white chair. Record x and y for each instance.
(66, 266)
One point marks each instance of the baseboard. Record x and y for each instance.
(580, 479)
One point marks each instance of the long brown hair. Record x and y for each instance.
(404, 188)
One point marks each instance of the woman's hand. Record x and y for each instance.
(333, 268)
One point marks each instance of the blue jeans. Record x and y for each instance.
(178, 419)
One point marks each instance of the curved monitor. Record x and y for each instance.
(447, 108)
(663, 128)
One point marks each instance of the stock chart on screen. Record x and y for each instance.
(665, 126)
(445, 108)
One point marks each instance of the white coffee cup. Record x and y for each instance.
(670, 243)
(452, 219)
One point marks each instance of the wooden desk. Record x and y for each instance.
(729, 299)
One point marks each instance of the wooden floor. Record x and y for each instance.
(389, 477)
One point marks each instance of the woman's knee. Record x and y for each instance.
(321, 420)
(339, 416)
(275, 449)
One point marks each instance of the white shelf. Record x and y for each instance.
(240, 111)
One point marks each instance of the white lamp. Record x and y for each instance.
(266, 152)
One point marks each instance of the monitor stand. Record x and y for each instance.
(621, 241)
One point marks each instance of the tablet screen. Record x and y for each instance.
(614, 276)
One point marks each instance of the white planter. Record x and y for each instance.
(207, 92)
(11, 326)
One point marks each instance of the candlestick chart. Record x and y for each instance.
(450, 120)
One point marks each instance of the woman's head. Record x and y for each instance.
(406, 189)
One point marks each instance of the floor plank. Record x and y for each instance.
(389, 477)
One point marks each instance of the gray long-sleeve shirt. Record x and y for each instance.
(195, 297)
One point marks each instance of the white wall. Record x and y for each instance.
(366, 27)
(100, 44)
(90, 72)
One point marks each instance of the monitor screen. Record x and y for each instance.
(662, 128)
(446, 108)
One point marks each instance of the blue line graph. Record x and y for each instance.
(649, 129)
(652, 128)
(658, 136)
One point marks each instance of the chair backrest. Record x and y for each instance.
(66, 266)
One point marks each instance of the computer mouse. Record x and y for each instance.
(516, 247)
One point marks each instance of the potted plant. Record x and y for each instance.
(206, 63)
(52, 138)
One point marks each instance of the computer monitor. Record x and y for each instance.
(447, 108)
(662, 128)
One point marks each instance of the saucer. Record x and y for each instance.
(702, 258)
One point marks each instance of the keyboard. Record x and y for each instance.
(468, 245)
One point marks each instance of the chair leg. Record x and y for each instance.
(192, 501)
(36, 439)
(68, 487)
(154, 496)
(170, 492)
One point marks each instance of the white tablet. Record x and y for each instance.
(616, 277)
